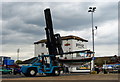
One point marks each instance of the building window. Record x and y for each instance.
(78, 55)
(42, 45)
(42, 53)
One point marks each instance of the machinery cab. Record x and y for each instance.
(42, 64)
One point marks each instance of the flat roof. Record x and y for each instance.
(64, 38)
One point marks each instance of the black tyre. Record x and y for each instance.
(56, 72)
(14, 73)
(48, 74)
(26, 74)
(31, 72)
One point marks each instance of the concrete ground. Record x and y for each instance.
(73, 76)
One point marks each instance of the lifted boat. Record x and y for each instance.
(78, 60)
(75, 61)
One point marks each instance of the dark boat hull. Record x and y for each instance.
(75, 62)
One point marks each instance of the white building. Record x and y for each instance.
(69, 44)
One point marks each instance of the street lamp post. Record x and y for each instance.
(18, 50)
(92, 10)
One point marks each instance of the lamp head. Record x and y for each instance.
(95, 27)
(89, 11)
(90, 7)
(94, 8)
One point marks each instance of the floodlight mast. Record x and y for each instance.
(92, 10)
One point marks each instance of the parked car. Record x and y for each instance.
(4, 70)
(16, 71)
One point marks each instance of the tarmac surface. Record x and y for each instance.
(72, 76)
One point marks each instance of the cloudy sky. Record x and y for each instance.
(23, 23)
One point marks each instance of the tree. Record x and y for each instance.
(114, 59)
(18, 61)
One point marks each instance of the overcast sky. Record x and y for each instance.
(23, 23)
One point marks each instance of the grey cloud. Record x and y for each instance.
(29, 17)
(106, 13)
(20, 39)
(15, 31)
(29, 12)
(66, 16)
(109, 41)
(18, 25)
(32, 13)
(78, 18)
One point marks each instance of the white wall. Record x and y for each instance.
(73, 69)
(79, 45)
(67, 48)
(39, 49)
(75, 45)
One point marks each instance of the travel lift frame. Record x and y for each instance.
(47, 64)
